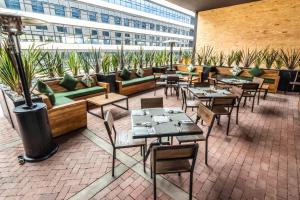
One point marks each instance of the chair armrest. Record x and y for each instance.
(119, 83)
(67, 105)
(105, 85)
(45, 99)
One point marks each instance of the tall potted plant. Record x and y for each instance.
(109, 66)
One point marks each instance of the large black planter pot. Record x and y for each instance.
(108, 78)
(286, 76)
(35, 132)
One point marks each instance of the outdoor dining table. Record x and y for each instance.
(210, 92)
(161, 122)
(233, 81)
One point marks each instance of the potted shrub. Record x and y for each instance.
(109, 66)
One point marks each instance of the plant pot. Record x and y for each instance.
(287, 76)
(108, 78)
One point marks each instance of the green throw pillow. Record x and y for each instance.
(68, 82)
(140, 72)
(45, 89)
(255, 71)
(125, 74)
(88, 81)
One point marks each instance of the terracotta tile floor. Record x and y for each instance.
(260, 159)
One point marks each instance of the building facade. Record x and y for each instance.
(104, 23)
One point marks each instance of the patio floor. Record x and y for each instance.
(260, 159)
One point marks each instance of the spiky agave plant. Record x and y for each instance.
(105, 64)
(230, 59)
(114, 59)
(135, 60)
(238, 57)
(207, 52)
(148, 57)
(278, 63)
(8, 73)
(248, 57)
(86, 65)
(59, 63)
(270, 57)
(221, 59)
(290, 58)
(157, 59)
(47, 65)
(74, 63)
(151, 58)
(96, 59)
(199, 58)
(259, 58)
(214, 60)
(186, 57)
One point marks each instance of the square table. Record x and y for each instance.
(233, 81)
(210, 92)
(101, 101)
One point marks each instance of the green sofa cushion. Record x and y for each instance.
(269, 81)
(125, 74)
(68, 82)
(255, 71)
(137, 80)
(61, 100)
(45, 89)
(80, 92)
(186, 73)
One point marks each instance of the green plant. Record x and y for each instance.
(180, 56)
(114, 59)
(106, 64)
(157, 59)
(48, 65)
(206, 52)
(140, 56)
(186, 57)
(95, 58)
(260, 55)
(290, 58)
(270, 57)
(230, 59)
(120, 57)
(238, 57)
(199, 59)
(148, 57)
(248, 57)
(213, 60)
(221, 59)
(74, 63)
(128, 58)
(151, 57)
(59, 64)
(135, 60)
(278, 63)
(164, 57)
(8, 73)
(86, 65)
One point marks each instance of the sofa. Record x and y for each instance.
(135, 84)
(271, 77)
(70, 110)
(184, 70)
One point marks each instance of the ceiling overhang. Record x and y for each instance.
(202, 5)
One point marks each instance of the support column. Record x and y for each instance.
(195, 38)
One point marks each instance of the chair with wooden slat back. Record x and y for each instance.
(158, 81)
(122, 140)
(208, 117)
(237, 91)
(172, 83)
(188, 103)
(223, 106)
(249, 91)
(262, 87)
(173, 159)
(157, 102)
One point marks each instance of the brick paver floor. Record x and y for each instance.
(258, 160)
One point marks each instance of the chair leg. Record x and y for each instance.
(228, 124)
(185, 109)
(253, 101)
(144, 157)
(113, 163)
(154, 185)
(237, 115)
(265, 94)
(245, 101)
(141, 150)
(206, 151)
(258, 98)
(191, 186)
(151, 174)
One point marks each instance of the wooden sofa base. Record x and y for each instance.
(136, 88)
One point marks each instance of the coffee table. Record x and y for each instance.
(101, 101)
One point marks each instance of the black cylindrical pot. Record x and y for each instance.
(35, 132)
(108, 78)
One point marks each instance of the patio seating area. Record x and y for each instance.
(259, 159)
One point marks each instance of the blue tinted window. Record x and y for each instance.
(152, 26)
(118, 34)
(61, 29)
(105, 18)
(126, 22)
(37, 6)
(127, 35)
(59, 10)
(136, 24)
(118, 20)
(41, 28)
(78, 31)
(92, 16)
(144, 25)
(105, 33)
(94, 32)
(13, 4)
(76, 13)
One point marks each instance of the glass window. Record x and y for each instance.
(151, 26)
(105, 33)
(127, 41)
(76, 13)
(117, 20)
(118, 42)
(157, 27)
(41, 28)
(144, 25)
(126, 22)
(94, 32)
(104, 18)
(59, 10)
(136, 24)
(37, 6)
(78, 31)
(13, 4)
(92, 16)
(61, 29)
(118, 34)
(127, 35)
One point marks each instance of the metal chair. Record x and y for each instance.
(262, 87)
(223, 106)
(122, 140)
(172, 83)
(206, 115)
(249, 91)
(188, 103)
(157, 102)
(158, 81)
(173, 159)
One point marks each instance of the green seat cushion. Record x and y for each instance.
(245, 78)
(269, 81)
(68, 82)
(186, 73)
(137, 81)
(45, 89)
(80, 92)
(256, 71)
(125, 74)
(61, 100)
